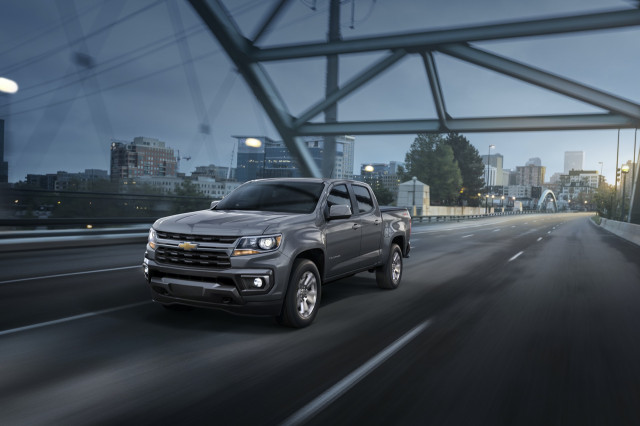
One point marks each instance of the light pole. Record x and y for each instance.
(502, 204)
(414, 179)
(486, 209)
(624, 169)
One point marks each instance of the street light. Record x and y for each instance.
(414, 179)
(8, 86)
(624, 170)
(486, 209)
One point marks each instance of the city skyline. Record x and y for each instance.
(136, 80)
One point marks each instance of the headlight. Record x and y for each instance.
(256, 245)
(153, 238)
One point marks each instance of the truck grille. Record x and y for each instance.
(221, 239)
(199, 258)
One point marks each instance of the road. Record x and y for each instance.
(509, 320)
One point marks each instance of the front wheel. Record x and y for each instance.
(388, 275)
(302, 300)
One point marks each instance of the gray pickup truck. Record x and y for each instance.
(267, 248)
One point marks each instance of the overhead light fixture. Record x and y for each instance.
(8, 86)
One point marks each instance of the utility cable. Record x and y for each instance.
(65, 46)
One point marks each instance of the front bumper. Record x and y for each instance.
(223, 289)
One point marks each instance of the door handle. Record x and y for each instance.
(356, 226)
(376, 222)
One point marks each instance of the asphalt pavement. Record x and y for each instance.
(508, 320)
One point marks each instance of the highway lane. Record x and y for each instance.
(507, 338)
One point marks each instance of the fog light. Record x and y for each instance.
(258, 283)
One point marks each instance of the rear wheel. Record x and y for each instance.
(302, 300)
(388, 275)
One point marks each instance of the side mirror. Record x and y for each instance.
(339, 211)
(213, 204)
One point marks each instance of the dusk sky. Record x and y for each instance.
(131, 80)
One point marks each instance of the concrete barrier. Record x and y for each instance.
(628, 231)
(39, 240)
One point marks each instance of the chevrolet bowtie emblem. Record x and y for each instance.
(188, 246)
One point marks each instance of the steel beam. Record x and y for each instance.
(217, 19)
(543, 79)
(430, 40)
(474, 125)
(269, 20)
(350, 86)
(436, 88)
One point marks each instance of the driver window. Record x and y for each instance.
(339, 195)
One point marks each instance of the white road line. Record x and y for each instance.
(95, 271)
(513, 226)
(73, 318)
(467, 236)
(516, 256)
(337, 390)
(548, 232)
(496, 230)
(539, 238)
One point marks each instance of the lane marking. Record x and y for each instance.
(337, 390)
(467, 236)
(73, 318)
(539, 238)
(69, 274)
(516, 256)
(513, 226)
(496, 230)
(548, 232)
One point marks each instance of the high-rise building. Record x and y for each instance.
(573, 160)
(142, 157)
(497, 162)
(530, 175)
(262, 157)
(4, 166)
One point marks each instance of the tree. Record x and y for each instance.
(432, 161)
(603, 200)
(471, 167)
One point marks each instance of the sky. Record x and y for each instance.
(89, 74)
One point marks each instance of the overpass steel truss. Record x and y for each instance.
(247, 56)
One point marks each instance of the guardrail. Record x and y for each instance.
(452, 218)
(127, 230)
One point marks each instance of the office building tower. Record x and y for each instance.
(496, 161)
(573, 160)
(530, 175)
(262, 157)
(142, 157)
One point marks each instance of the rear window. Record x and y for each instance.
(285, 197)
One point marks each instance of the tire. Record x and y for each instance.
(302, 300)
(388, 276)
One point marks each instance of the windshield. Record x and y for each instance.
(285, 197)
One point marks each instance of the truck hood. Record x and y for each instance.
(221, 222)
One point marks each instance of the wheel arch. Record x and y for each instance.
(316, 256)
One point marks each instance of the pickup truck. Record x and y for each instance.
(269, 246)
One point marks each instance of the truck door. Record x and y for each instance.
(343, 236)
(370, 220)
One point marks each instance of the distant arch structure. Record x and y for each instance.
(548, 201)
(249, 56)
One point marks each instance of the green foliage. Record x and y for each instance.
(431, 159)
(471, 167)
(603, 200)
